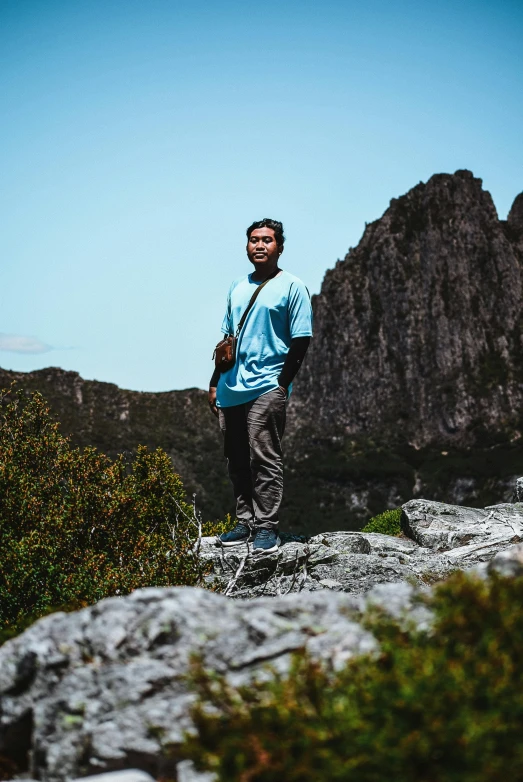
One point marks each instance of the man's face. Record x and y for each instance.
(262, 247)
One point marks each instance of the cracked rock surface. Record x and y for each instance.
(438, 538)
(105, 688)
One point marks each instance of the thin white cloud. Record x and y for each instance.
(16, 343)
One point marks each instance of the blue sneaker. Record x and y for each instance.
(265, 541)
(240, 534)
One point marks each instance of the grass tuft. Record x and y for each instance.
(388, 523)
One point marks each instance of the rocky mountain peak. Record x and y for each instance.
(515, 222)
(515, 216)
(418, 331)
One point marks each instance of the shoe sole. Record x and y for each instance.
(234, 542)
(268, 550)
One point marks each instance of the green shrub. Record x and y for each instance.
(76, 526)
(210, 528)
(438, 706)
(388, 523)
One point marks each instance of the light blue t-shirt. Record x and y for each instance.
(281, 312)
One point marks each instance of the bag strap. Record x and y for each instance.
(253, 299)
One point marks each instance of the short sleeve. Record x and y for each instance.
(227, 318)
(300, 311)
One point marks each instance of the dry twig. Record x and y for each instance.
(307, 552)
(232, 583)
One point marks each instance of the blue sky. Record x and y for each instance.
(140, 138)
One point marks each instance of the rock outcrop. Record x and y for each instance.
(106, 688)
(437, 539)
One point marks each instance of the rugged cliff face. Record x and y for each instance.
(419, 330)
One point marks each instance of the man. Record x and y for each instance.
(250, 397)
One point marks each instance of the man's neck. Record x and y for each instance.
(260, 274)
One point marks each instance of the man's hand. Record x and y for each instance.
(212, 401)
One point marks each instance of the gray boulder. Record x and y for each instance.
(464, 535)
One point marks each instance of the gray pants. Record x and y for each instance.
(252, 435)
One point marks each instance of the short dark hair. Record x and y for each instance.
(276, 226)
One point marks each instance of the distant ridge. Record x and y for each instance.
(115, 421)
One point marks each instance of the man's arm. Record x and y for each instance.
(212, 391)
(293, 361)
(227, 330)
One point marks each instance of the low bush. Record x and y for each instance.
(217, 527)
(388, 523)
(444, 705)
(77, 526)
